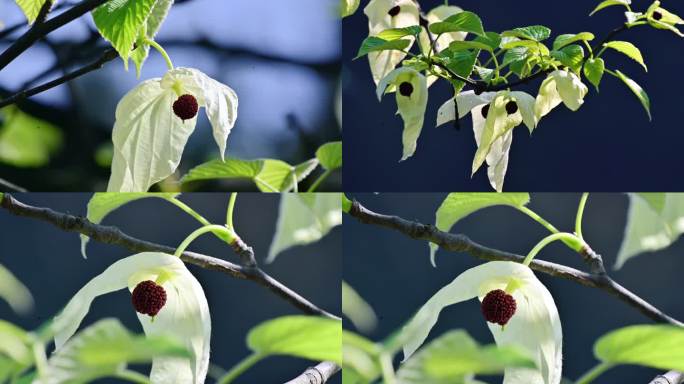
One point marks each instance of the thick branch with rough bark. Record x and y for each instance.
(249, 270)
(461, 243)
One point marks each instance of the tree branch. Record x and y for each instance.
(10, 187)
(316, 375)
(107, 56)
(461, 243)
(41, 29)
(672, 377)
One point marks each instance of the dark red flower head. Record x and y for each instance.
(148, 298)
(657, 15)
(406, 89)
(185, 107)
(498, 307)
(511, 107)
(394, 11)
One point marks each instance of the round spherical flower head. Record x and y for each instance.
(498, 307)
(185, 107)
(394, 11)
(148, 298)
(511, 107)
(657, 15)
(406, 89)
(485, 111)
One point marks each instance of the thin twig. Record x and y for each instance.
(7, 186)
(113, 235)
(461, 243)
(316, 375)
(107, 56)
(41, 29)
(672, 377)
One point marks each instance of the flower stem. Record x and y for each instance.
(161, 50)
(202, 230)
(594, 373)
(132, 376)
(387, 369)
(229, 212)
(38, 349)
(568, 238)
(538, 219)
(319, 180)
(240, 368)
(197, 217)
(580, 213)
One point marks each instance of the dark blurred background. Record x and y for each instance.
(393, 272)
(608, 145)
(48, 261)
(282, 59)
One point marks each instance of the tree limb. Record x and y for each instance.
(41, 29)
(461, 243)
(316, 375)
(672, 377)
(107, 56)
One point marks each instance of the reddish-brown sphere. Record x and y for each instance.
(498, 307)
(148, 298)
(185, 107)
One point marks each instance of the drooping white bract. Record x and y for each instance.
(535, 326)
(560, 85)
(661, 18)
(404, 14)
(411, 104)
(493, 134)
(185, 314)
(149, 138)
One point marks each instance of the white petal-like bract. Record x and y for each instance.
(560, 85)
(185, 314)
(535, 326)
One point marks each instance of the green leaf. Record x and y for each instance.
(563, 40)
(149, 31)
(14, 292)
(533, 32)
(458, 45)
(15, 343)
(373, 44)
(120, 22)
(461, 22)
(593, 70)
(304, 218)
(571, 56)
(515, 55)
(454, 356)
(637, 90)
(31, 8)
(492, 39)
(357, 310)
(609, 3)
(655, 346)
(308, 337)
(103, 349)
(459, 205)
(103, 203)
(348, 7)
(329, 155)
(653, 223)
(360, 356)
(269, 175)
(26, 141)
(396, 33)
(629, 49)
(460, 62)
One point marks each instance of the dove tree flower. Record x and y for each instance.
(412, 97)
(386, 14)
(519, 310)
(169, 301)
(494, 116)
(661, 18)
(560, 86)
(155, 119)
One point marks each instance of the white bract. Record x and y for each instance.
(380, 19)
(148, 136)
(411, 104)
(185, 314)
(493, 134)
(661, 18)
(535, 326)
(560, 85)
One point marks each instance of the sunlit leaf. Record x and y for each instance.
(359, 356)
(14, 292)
(593, 70)
(348, 7)
(571, 56)
(309, 337)
(359, 312)
(655, 346)
(330, 155)
(31, 8)
(157, 15)
(637, 91)
(628, 49)
(374, 44)
(303, 219)
(609, 3)
(461, 22)
(533, 32)
(566, 39)
(26, 141)
(396, 33)
(459, 205)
